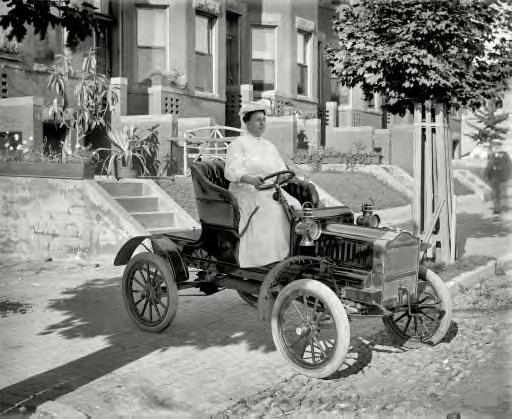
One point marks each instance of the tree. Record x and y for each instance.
(77, 17)
(489, 125)
(457, 53)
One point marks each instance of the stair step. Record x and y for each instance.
(138, 203)
(119, 189)
(155, 219)
(157, 230)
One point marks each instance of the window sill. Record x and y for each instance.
(207, 95)
(306, 99)
(372, 111)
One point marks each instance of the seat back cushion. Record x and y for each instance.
(303, 191)
(215, 204)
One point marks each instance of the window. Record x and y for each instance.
(263, 58)
(151, 41)
(204, 52)
(302, 63)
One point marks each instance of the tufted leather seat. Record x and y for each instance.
(215, 204)
(303, 191)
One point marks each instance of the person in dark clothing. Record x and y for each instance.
(497, 173)
(302, 140)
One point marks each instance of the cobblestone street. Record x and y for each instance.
(470, 372)
(75, 344)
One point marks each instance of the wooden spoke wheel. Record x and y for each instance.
(149, 291)
(429, 317)
(310, 328)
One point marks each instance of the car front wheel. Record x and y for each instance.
(429, 317)
(310, 328)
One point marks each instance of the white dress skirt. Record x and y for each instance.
(267, 237)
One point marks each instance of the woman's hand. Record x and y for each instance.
(251, 180)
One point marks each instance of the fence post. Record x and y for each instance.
(417, 207)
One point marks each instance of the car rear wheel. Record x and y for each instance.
(310, 328)
(429, 317)
(150, 293)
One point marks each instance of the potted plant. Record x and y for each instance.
(95, 98)
(174, 78)
(131, 153)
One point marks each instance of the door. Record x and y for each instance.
(233, 96)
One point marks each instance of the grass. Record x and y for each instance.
(465, 264)
(460, 189)
(353, 188)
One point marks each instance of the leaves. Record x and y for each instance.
(454, 51)
(94, 96)
(130, 144)
(489, 124)
(77, 19)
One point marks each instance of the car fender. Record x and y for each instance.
(287, 270)
(162, 246)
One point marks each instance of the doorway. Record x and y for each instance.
(233, 96)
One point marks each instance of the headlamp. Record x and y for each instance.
(307, 227)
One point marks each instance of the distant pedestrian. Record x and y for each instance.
(497, 173)
(302, 140)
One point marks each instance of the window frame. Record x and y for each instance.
(141, 77)
(264, 59)
(306, 63)
(211, 28)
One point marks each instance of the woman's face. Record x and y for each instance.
(256, 123)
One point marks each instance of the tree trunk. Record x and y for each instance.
(433, 179)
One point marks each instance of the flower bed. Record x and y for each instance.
(47, 170)
(21, 158)
(328, 156)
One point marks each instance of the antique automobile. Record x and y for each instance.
(336, 268)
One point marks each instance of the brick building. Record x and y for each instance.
(225, 51)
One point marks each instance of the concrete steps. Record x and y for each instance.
(144, 206)
(138, 203)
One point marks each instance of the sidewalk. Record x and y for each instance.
(479, 231)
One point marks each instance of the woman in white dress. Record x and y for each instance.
(249, 158)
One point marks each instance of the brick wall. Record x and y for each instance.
(381, 139)
(343, 138)
(167, 129)
(282, 131)
(401, 137)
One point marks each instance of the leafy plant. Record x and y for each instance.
(10, 46)
(489, 125)
(457, 52)
(77, 17)
(132, 149)
(174, 78)
(95, 98)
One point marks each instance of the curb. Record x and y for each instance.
(469, 279)
(56, 410)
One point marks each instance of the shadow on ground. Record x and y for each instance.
(96, 309)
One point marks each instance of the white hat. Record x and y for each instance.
(252, 107)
